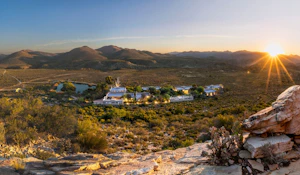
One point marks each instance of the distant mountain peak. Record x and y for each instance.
(109, 50)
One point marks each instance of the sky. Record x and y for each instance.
(154, 25)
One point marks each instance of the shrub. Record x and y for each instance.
(91, 141)
(2, 133)
(269, 155)
(75, 148)
(18, 165)
(224, 120)
(90, 137)
(68, 86)
(188, 142)
(224, 146)
(203, 137)
(43, 155)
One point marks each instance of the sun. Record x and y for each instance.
(274, 49)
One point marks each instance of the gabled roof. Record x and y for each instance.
(183, 87)
(209, 91)
(115, 94)
(118, 89)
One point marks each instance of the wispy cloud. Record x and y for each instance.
(203, 36)
(62, 42)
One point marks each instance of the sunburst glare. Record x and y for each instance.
(273, 62)
(274, 49)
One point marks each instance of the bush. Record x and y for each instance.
(2, 133)
(91, 141)
(224, 146)
(18, 165)
(43, 155)
(75, 148)
(203, 137)
(269, 155)
(68, 86)
(90, 137)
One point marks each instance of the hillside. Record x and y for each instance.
(25, 59)
(114, 57)
(109, 50)
(82, 57)
(2, 56)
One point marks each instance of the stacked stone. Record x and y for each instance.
(277, 128)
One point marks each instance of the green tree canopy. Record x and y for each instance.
(68, 86)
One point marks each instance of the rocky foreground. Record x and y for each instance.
(270, 148)
(187, 161)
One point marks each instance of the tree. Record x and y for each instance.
(138, 89)
(68, 86)
(200, 89)
(109, 80)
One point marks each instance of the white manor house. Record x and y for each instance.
(120, 96)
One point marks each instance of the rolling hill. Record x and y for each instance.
(25, 59)
(2, 56)
(114, 57)
(81, 57)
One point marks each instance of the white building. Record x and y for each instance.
(118, 89)
(210, 92)
(184, 89)
(182, 98)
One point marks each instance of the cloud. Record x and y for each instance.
(62, 42)
(203, 36)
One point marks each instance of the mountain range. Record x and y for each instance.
(114, 57)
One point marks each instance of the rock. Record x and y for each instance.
(282, 117)
(249, 169)
(75, 173)
(155, 167)
(279, 144)
(88, 166)
(32, 159)
(231, 162)
(282, 171)
(141, 171)
(7, 171)
(292, 155)
(218, 170)
(158, 159)
(244, 154)
(273, 167)
(256, 165)
(42, 172)
(258, 160)
(106, 164)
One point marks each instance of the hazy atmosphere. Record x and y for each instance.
(157, 26)
(149, 87)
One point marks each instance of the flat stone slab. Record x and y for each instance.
(279, 144)
(256, 165)
(42, 172)
(216, 170)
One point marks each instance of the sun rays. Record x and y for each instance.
(273, 65)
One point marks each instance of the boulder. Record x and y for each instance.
(256, 165)
(278, 144)
(292, 155)
(273, 167)
(244, 154)
(282, 117)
